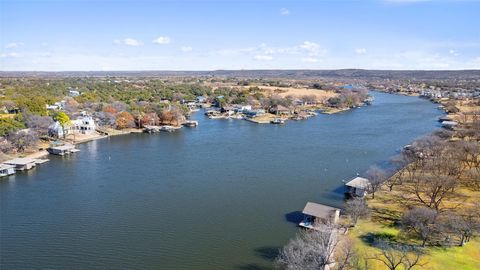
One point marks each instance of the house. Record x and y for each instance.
(62, 150)
(228, 109)
(317, 215)
(21, 164)
(243, 108)
(449, 124)
(280, 110)
(201, 99)
(84, 125)
(358, 186)
(254, 113)
(6, 170)
(56, 130)
(73, 93)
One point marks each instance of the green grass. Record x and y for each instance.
(436, 258)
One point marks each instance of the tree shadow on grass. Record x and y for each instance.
(372, 238)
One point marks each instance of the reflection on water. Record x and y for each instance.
(221, 196)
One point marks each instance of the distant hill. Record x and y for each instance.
(340, 73)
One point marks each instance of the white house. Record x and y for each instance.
(73, 93)
(56, 130)
(84, 125)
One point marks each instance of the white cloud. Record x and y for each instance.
(162, 40)
(10, 55)
(310, 60)
(453, 52)
(186, 49)
(129, 42)
(284, 12)
(262, 57)
(360, 51)
(14, 45)
(312, 48)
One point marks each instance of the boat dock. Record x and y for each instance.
(155, 129)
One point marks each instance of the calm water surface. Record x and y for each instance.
(221, 196)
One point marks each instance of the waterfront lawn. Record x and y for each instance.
(383, 223)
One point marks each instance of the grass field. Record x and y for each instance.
(386, 211)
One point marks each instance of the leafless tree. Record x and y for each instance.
(422, 222)
(309, 250)
(23, 140)
(464, 225)
(356, 208)
(396, 256)
(377, 178)
(38, 123)
(432, 190)
(348, 257)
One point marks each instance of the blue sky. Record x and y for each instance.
(60, 35)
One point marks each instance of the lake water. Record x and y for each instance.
(224, 195)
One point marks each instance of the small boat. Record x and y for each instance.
(190, 123)
(278, 121)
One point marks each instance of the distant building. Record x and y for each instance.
(73, 93)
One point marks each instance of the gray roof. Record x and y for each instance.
(63, 147)
(358, 182)
(319, 210)
(19, 161)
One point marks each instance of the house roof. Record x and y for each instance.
(20, 161)
(281, 108)
(358, 182)
(319, 210)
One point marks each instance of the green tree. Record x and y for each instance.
(8, 125)
(64, 120)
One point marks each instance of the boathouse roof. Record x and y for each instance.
(20, 161)
(63, 147)
(358, 182)
(319, 210)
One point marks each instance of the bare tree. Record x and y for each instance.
(23, 140)
(347, 256)
(396, 256)
(39, 123)
(422, 222)
(377, 178)
(356, 208)
(431, 190)
(310, 249)
(464, 225)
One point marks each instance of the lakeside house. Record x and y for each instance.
(83, 125)
(6, 169)
(357, 187)
(21, 164)
(280, 110)
(317, 215)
